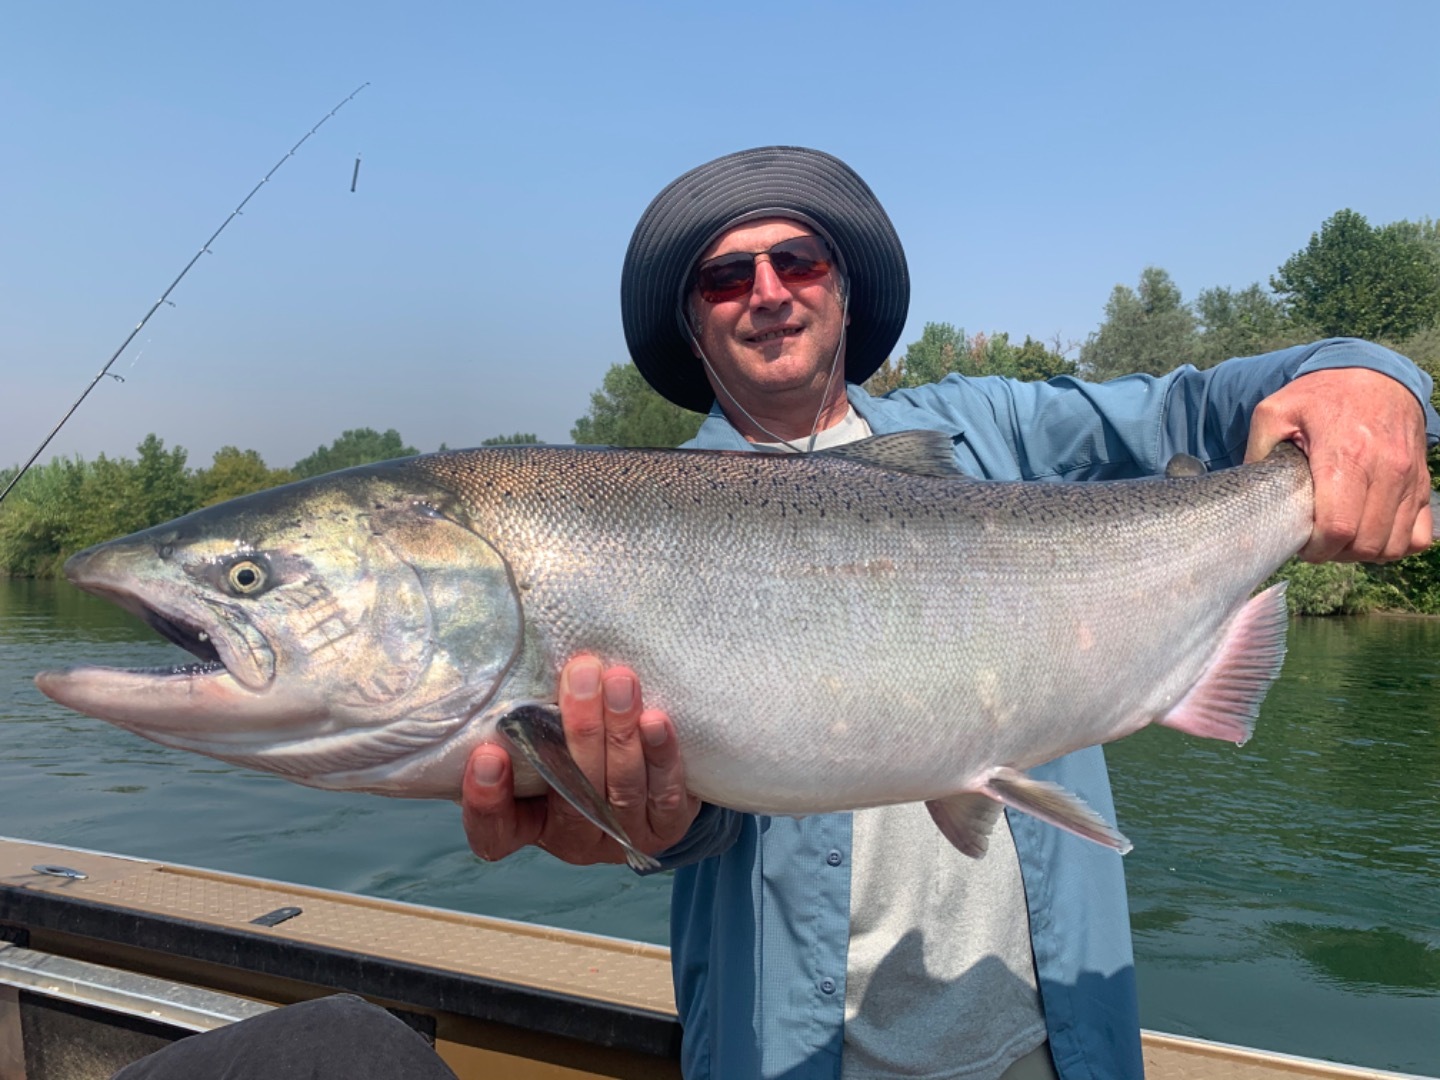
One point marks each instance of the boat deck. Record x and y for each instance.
(499, 997)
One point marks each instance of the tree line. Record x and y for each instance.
(1352, 279)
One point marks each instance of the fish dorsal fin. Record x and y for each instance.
(924, 453)
(1184, 465)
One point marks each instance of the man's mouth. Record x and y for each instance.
(777, 334)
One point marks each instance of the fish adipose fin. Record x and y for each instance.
(535, 732)
(1052, 803)
(924, 453)
(1184, 465)
(1224, 702)
(966, 820)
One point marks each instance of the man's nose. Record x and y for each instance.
(768, 290)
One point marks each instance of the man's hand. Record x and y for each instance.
(630, 755)
(1364, 434)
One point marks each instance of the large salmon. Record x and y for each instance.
(829, 631)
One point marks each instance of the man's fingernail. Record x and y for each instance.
(619, 693)
(654, 733)
(486, 770)
(582, 679)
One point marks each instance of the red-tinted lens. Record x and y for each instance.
(795, 261)
(726, 277)
(806, 258)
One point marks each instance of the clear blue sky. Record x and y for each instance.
(1032, 156)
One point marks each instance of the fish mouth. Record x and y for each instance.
(184, 634)
(234, 668)
(224, 682)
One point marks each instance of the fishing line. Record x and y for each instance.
(165, 296)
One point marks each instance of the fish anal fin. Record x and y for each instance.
(1053, 804)
(1225, 700)
(534, 731)
(966, 820)
(924, 453)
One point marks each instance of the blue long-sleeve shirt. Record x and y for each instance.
(760, 913)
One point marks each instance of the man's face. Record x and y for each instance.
(778, 340)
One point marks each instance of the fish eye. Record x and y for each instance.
(246, 577)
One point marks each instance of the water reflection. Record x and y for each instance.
(1306, 861)
(1381, 958)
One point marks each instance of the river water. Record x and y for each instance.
(1284, 895)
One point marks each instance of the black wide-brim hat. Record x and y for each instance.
(770, 181)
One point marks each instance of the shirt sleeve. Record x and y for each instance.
(1073, 430)
(711, 833)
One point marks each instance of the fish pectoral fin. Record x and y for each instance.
(924, 453)
(1052, 803)
(966, 820)
(1225, 700)
(534, 731)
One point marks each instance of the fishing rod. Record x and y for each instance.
(165, 296)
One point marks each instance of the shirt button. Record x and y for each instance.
(834, 858)
(827, 986)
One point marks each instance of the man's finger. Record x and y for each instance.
(1339, 509)
(1268, 430)
(1406, 523)
(1385, 523)
(583, 713)
(495, 824)
(671, 808)
(625, 776)
(1423, 534)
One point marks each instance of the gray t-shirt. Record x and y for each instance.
(932, 932)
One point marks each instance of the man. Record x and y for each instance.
(762, 288)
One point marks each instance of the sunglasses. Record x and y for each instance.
(795, 261)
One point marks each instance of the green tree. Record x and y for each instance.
(943, 349)
(1149, 329)
(1326, 588)
(36, 519)
(1425, 232)
(164, 488)
(940, 351)
(1029, 362)
(1034, 362)
(107, 503)
(1243, 323)
(520, 438)
(234, 472)
(359, 446)
(625, 411)
(1356, 280)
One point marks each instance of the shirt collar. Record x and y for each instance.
(884, 415)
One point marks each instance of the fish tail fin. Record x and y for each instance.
(966, 820)
(1052, 803)
(1225, 701)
